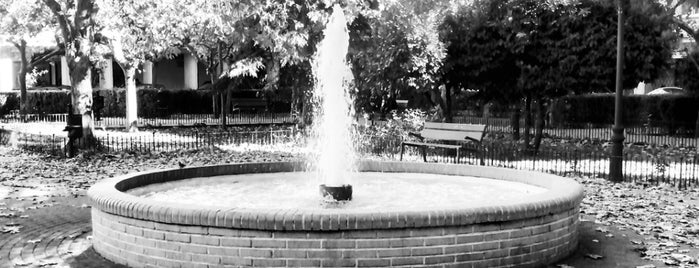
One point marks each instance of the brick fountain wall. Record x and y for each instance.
(530, 234)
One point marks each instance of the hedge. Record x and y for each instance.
(151, 102)
(639, 110)
(40, 101)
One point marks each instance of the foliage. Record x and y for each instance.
(396, 52)
(132, 28)
(23, 20)
(552, 49)
(686, 74)
(385, 136)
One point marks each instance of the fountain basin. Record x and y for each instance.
(138, 232)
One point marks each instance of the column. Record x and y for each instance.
(7, 75)
(52, 65)
(147, 73)
(65, 72)
(190, 72)
(107, 76)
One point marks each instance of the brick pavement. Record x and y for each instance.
(54, 232)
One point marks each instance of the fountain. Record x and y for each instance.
(271, 215)
(334, 160)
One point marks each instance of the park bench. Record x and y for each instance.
(459, 137)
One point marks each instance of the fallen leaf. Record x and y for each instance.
(594, 256)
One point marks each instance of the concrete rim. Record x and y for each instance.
(109, 196)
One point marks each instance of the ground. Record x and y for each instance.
(45, 215)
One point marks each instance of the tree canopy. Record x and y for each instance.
(551, 50)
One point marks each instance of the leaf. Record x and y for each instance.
(10, 229)
(594, 256)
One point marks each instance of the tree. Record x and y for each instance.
(24, 21)
(550, 50)
(246, 37)
(395, 47)
(132, 30)
(76, 24)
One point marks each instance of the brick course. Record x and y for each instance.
(117, 241)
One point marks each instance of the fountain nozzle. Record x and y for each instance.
(337, 193)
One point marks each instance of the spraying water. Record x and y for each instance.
(334, 154)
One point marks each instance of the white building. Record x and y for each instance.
(182, 72)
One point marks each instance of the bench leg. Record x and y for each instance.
(424, 153)
(402, 149)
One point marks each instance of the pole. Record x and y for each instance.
(616, 159)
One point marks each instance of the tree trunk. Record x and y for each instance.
(298, 105)
(306, 107)
(224, 109)
(81, 94)
(22, 77)
(437, 100)
(214, 100)
(514, 121)
(229, 100)
(131, 99)
(527, 122)
(447, 105)
(540, 118)
(272, 80)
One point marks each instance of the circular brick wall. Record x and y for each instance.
(141, 233)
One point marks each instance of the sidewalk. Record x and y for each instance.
(57, 234)
(52, 232)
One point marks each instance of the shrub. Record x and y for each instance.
(385, 136)
(672, 111)
(151, 102)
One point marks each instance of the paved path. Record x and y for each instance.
(53, 232)
(57, 234)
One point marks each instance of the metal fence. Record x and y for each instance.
(681, 171)
(147, 142)
(652, 133)
(168, 121)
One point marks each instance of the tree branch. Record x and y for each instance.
(61, 18)
(686, 28)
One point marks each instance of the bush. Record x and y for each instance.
(151, 102)
(385, 136)
(673, 111)
(8, 102)
(155, 103)
(39, 101)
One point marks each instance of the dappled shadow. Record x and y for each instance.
(90, 258)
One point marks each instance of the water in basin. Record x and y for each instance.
(373, 191)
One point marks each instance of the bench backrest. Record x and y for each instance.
(453, 131)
